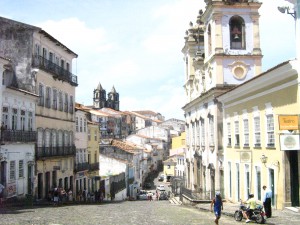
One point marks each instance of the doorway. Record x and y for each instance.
(294, 171)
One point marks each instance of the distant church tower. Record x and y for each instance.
(113, 99)
(99, 97)
(100, 100)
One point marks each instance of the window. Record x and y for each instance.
(60, 101)
(237, 32)
(169, 166)
(211, 131)
(202, 132)
(89, 134)
(14, 119)
(257, 132)
(95, 135)
(84, 125)
(30, 121)
(41, 95)
(193, 133)
(54, 99)
(237, 133)
(21, 168)
(270, 131)
(62, 64)
(229, 134)
(48, 97)
(80, 125)
(66, 102)
(22, 119)
(209, 39)
(5, 117)
(12, 170)
(77, 124)
(197, 133)
(187, 135)
(246, 132)
(71, 109)
(68, 67)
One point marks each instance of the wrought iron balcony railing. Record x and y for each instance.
(18, 136)
(57, 71)
(81, 167)
(45, 152)
(94, 166)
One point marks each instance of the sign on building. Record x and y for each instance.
(288, 122)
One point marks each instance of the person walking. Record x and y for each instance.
(267, 200)
(217, 203)
(1, 193)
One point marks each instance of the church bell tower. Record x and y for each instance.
(232, 42)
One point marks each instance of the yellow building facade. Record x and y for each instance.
(93, 155)
(253, 153)
(179, 141)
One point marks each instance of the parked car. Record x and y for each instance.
(142, 195)
(161, 187)
(161, 178)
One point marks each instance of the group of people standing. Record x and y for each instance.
(216, 205)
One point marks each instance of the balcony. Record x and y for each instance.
(57, 71)
(45, 152)
(81, 167)
(94, 166)
(18, 136)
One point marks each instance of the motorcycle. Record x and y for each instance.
(258, 214)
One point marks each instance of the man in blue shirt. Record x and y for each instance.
(267, 201)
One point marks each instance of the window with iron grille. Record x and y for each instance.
(257, 131)
(229, 134)
(237, 133)
(246, 132)
(21, 168)
(12, 170)
(270, 131)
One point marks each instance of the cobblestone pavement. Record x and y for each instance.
(121, 213)
(129, 213)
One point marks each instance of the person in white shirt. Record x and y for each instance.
(1, 190)
(267, 200)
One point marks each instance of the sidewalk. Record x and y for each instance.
(284, 216)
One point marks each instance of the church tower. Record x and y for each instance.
(99, 98)
(232, 42)
(221, 51)
(113, 99)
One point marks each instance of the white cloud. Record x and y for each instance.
(78, 36)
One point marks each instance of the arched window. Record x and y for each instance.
(237, 32)
(209, 39)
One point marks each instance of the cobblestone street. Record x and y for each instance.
(128, 212)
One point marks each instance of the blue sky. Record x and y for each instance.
(135, 45)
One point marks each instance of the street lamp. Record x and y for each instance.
(286, 9)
